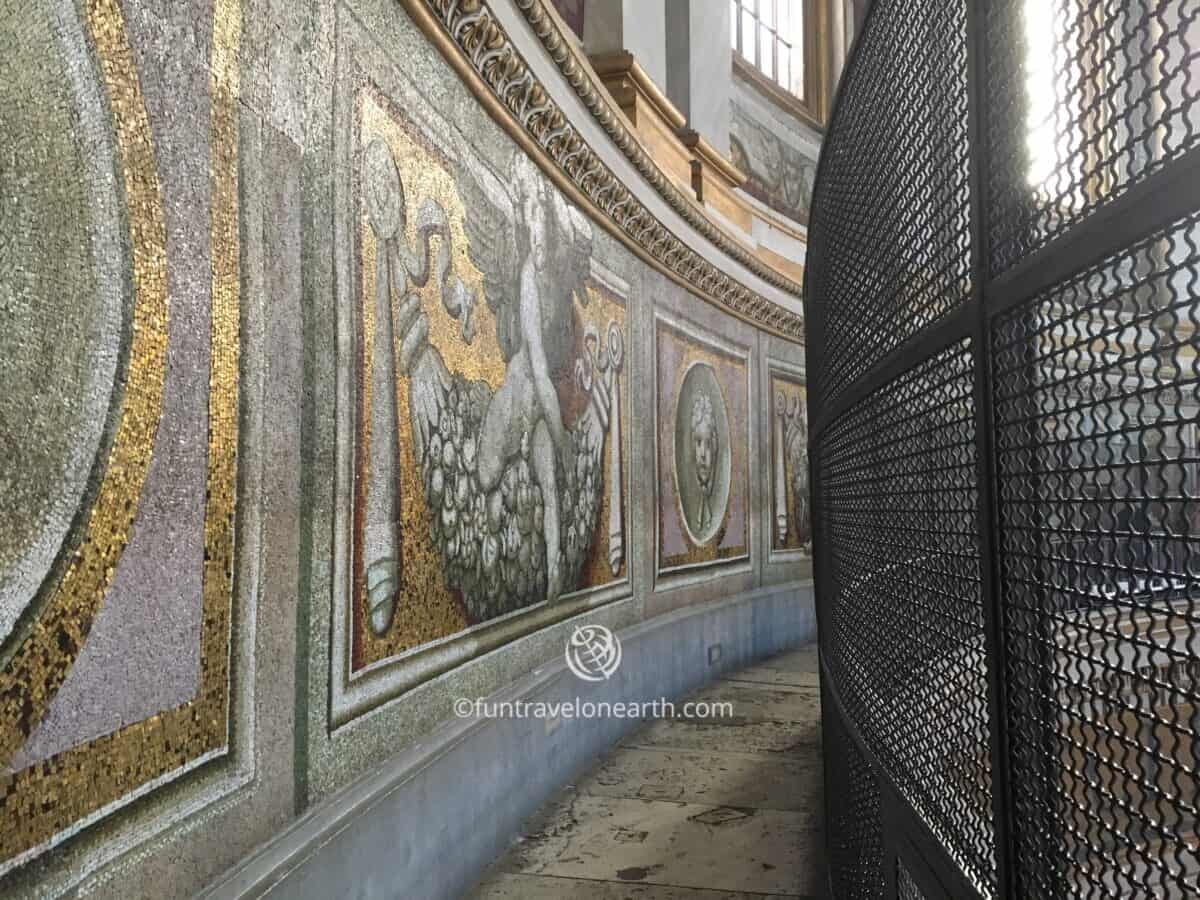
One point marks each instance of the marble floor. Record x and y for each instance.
(690, 810)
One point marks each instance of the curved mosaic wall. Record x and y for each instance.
(327, 376)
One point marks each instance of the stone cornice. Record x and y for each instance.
(472, 40)
(623, 65)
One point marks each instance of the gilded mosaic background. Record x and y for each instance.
(702, 417)
(490, 430)
(791, 509)
(119, 358)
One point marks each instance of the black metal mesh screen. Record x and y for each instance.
(1085, 99)
(906, 888)
(903, 630)
(1099, 499)
(855, 835)
(905, 102)
(1003, 293)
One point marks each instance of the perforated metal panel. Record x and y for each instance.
(903, 625)
(911, 215)
(906, 888)
(1003, 294)
(855, 833)
(1099, 498)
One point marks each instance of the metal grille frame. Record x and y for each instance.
(1005, 440)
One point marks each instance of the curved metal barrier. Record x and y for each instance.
(1003, 302)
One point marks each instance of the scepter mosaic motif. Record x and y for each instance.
(489, 438)
(791, 523)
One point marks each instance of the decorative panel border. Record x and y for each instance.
(789, 515)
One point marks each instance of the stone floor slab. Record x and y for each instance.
(691, 808)
(659, 842)
(803, 659)
(786, 781)
(745, 737)
(758, 703)
(547, 887)
(793, 669)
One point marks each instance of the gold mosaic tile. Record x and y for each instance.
(603, 307)
(39, 666)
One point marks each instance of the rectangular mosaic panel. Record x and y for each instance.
(777, 172)
(702, 428)
(791, 502)
(490, 381)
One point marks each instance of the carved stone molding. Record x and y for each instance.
(471, 31)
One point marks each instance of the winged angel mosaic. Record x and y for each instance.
(512, 490)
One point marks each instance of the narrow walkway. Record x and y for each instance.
(691, 809)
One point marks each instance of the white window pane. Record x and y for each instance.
(733, 22)
(797, 86)
(784, 20)
(766, 59)
(748, 36)
(785, 69)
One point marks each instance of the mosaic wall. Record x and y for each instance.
(777, 172)
(489, 436)
(330, 407)
(118, 421)
(703, 416)
(791, 509)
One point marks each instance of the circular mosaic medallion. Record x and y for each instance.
(62, 301)
(702, 453)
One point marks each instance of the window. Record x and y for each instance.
(769, 34)
(791, 49)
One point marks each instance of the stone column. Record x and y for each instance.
(699, 64)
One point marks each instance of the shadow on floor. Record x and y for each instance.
(690, 809)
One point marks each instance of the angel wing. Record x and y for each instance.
(488, 217)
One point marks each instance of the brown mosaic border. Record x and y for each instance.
(51, 800)
(472, 40)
